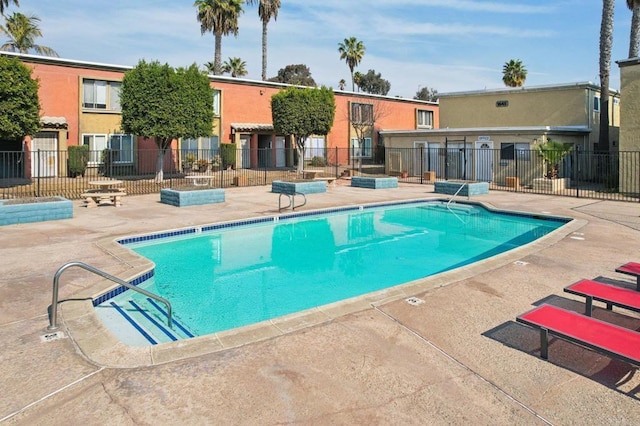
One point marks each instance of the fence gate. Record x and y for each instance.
(44, 154)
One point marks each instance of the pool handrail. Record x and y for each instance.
(53, 315)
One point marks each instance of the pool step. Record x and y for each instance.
(143, 322)
(455, 208)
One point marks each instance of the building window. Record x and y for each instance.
(596, 103)
(216, 103)
(314, 147)
(121, 148)
(201, 148)
(361, 113)
(424, 119)
(96, 143)
(102, 95)
(511, 151)
(361, 148)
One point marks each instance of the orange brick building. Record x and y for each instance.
(80, 106)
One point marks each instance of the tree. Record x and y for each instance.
(235, 66)
(5, 3)
(552, 153)
(164, 103)
(352, 51)
(514, 73)
(22, 31)
(357, 78)
(301, 112)
(606, 40)
(374, 83)
(341, 84)
(19, 105)
(298, 74)
(634, 38)
(221, 18)
(266, 10)
(427, 94)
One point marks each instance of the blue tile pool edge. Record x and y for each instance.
(193, 230)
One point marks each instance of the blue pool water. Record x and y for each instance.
(242, 275)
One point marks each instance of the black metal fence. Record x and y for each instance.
(613, 176)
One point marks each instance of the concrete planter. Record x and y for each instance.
(35, 210)
(374, 183)
(299, 187)
(468, 188)
(550, 185)
(184, 198)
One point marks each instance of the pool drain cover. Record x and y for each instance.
(414, 301)
(50, 337)
(520, 263)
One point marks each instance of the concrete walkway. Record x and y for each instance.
(457, 358)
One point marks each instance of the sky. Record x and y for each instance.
(446, 45)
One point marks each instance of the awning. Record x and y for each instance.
(53, 122)
(251, 127)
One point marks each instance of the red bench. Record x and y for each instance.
(609, 294)
(603, 337)
(631, 268)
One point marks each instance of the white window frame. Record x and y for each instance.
(101, 95)
(203, 147)
(216, 102)
(95, 147)
(315, 146)
(124, 155)
(358, 151)
(423, 115)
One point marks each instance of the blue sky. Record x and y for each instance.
(449, 45)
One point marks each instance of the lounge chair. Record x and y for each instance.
(631, 268)
(609, 294)
(609, 339)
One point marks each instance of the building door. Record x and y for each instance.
(281, 159)
(245, 152)
(484, 161)
(44, 154)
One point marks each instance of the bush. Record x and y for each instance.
(228, 153)
(318, 162)
(78, 159)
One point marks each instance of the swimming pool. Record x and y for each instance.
(230, 275)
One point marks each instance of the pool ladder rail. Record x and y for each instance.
(53, 314)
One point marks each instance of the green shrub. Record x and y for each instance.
(228, 153)
(318, 162)
(78, 159)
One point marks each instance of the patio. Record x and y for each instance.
(457, 358)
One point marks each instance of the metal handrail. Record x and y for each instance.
(457, 192)
(53, 317)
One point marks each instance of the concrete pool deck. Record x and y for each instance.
(457, 358)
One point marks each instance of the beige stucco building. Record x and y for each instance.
(630, 124)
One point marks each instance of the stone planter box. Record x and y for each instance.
(550, 185)
(185, 198)
(299, 187)
(35, 210)
(470, 188)
(374, 183)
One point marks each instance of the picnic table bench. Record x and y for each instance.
(311, 173)
(609, 294)
(200, 180)
(609, 339)
(107, 192)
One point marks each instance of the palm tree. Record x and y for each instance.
(22, 31)
(514, 73)
(606, 40)
(341, 83)
(634, 39)
(266, 10)
(209, 66)
(357, 78)
(221, 18)
(235, 66)
(5, 3)
(352, 51)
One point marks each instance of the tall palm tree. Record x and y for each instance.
(514, 73)
(235, 66)
(634, 39)
(352, 51)
(5, 3)
(357, 79)
(606, 41)
(341, 83)
(22, 31)
(266, 10)
(221, 18)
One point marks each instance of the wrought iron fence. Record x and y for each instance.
(614, 176)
